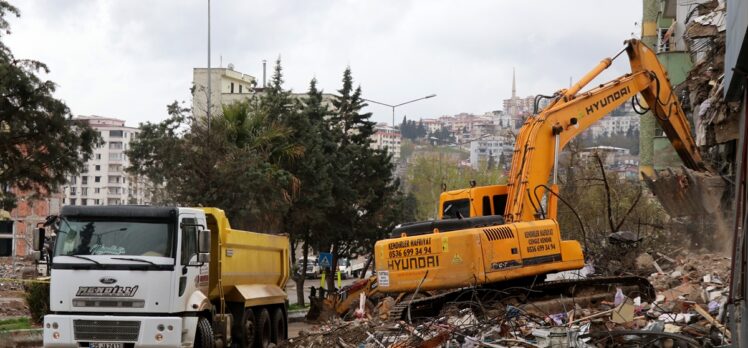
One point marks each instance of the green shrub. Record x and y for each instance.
(14, 324)
(37, 297)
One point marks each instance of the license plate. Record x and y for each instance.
(106, 345)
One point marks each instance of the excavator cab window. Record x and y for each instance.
(486, 206)
(457, 209)
(499, 203)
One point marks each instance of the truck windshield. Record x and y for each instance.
(96, 237)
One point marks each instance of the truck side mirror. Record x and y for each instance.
(203, 241)
(38, 239)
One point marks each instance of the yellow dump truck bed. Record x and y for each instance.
(249, 267)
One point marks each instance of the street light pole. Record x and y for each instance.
(209, 76)
(401, 104)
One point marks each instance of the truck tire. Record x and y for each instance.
(264, 329)
(203, 334)
(280, 333)
(245, 328)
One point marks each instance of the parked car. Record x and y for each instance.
(312, 267)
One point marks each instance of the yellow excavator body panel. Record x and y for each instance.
(474, 256)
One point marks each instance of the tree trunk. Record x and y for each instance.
(300, 298)
(366, 266)
(332, 272)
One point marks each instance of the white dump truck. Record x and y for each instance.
(137, 276)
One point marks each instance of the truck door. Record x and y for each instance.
(193, 275)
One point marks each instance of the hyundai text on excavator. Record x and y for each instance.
(503, 234)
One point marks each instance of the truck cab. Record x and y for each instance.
(132, 276)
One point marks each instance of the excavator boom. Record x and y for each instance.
(543, 136)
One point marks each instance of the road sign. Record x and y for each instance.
(325, 260)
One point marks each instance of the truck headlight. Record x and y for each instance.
(56, 335)
(159, 337)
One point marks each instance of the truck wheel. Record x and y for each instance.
(278, 326)
(246, 329)
(264, 330)
(204, 334)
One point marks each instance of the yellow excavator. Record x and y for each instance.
(503, 233)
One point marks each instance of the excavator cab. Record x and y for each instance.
(472, 202)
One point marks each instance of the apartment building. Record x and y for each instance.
(490, 149)
(103, 180)
(386, 137)
(226, 87)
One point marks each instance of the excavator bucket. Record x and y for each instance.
(342, 303)
(322, 305)
(688, 192)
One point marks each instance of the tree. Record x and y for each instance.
(362, 180)
(232, 164)
(40, 143)
(308, 212)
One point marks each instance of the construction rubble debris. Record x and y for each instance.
(685, 192)
(688, 311)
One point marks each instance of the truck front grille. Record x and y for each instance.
(108, 303)
(106, 330)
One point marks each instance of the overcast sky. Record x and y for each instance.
(129, 59)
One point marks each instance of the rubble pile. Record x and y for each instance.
(691, 293)
(8, 273)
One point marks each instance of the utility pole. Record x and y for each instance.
(210, 77)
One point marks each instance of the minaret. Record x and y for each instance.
(514, 85)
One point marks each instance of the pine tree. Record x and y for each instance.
(40, 143)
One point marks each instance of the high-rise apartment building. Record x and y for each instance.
(386, 137)
(104, 180)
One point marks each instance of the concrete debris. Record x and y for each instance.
(691, 295)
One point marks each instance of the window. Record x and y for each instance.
(457, 208)
(72, 190)
(98, 156)
(72, 201)
(84, 201)
(117, 156)
(81, 236)
(97, 190)
(240, 88)
(499, 203)
(84, 191)
(114, 179)
(73, 180)
(189, 239)
(232, 87)
(116, 133)
(84, 180)
(486, 206)
(97, 168)
(97, 179)
(115, 145)
(6, 238)
(97, 201)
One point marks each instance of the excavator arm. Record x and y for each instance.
(544, 135)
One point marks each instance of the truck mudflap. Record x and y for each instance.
(117, 331)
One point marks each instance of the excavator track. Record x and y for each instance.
(525, 291)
